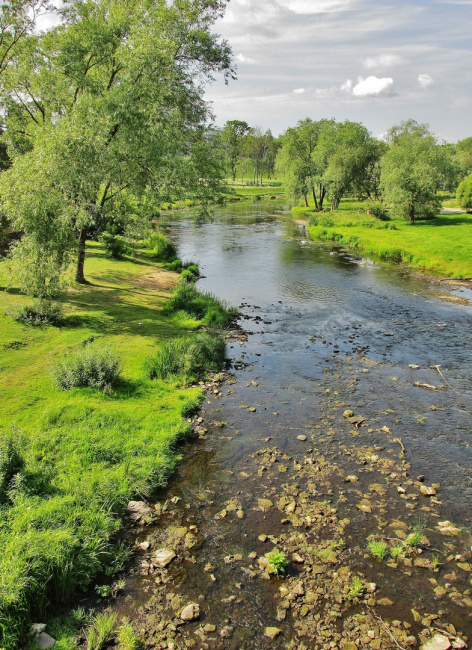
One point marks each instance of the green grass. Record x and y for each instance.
(73, 458)
(439, 246)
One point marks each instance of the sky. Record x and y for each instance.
(376, 62)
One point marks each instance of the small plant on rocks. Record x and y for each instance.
(279, 560)
(378, 549)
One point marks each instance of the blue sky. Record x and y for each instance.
(374, 62)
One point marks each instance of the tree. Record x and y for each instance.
(300, 163)
(464, 155)
(17, 20)
(348, 155)
(233, 137)
(110, 100)
(412, 171)
(464, 193)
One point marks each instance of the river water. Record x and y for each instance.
(327, 332)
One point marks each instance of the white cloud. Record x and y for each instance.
(383, 61)
(347, 86)
(372, 86)
(299, 91)
(425, 80)
(243, 59)
(314, 6)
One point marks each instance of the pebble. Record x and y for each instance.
(438, 642)
(301, 438)
(272, 632)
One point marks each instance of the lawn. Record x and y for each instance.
(440, 246)
(70, 460)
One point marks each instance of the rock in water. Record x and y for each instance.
(272, 632)
(190, 612)
(163, 557)
(438, 642)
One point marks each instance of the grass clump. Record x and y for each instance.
(44, 312)
(160, 248)
(414, 538)
(200, 305)
(187, 357)
(378, 549)
(92, 366)
(357, 587)
(100, 630)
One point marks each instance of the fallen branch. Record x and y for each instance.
(399, 440)
(379, 618)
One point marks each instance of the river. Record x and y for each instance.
(325, 437)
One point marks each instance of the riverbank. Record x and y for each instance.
(71, 459)
(439, 247)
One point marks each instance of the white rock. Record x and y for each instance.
(438, 642)
(163, 557)
(37, 628)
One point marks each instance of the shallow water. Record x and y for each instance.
(327, 331)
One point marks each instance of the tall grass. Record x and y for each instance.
(200, 305)
(187, 358)
(160, 248)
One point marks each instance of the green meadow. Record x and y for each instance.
(71, 459)
(440, 246)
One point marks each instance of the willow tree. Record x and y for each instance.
(111, 99)
(413, 169)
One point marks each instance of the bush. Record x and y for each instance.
(93, 366)
(44, 312)
(464, 193)
(187, 357)
(161, 248)
(378, 211)
(115, 246)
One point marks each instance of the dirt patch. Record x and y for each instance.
(157, 280)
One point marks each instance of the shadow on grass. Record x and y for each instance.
(445, 220)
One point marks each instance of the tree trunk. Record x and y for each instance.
(314, 197)
(79, 273)
(306, 200)
(322, 196)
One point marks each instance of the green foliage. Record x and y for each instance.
(378, 211)
(11, 462)
(127, 637)
(378, 549)
(187, 357)
(115, 246)
(357, 587)
(414, 538)
(200, 305)
(464, 193)
(413, 169)
(100, 630)
(395, 551)
(464, 155)
(160, 248)
(91, 365)
(44, 312)
(278, 560)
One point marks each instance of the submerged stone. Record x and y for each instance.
(438, 642)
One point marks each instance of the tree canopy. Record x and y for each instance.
(111, 99)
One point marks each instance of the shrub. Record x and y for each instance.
(115, 246)
(44, 312)
(188, 357)
(161, 248)
(378, 211)
(186, 277)
(464, 193)
(92, 365)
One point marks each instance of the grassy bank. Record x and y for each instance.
(71, 459)
(440, 246)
